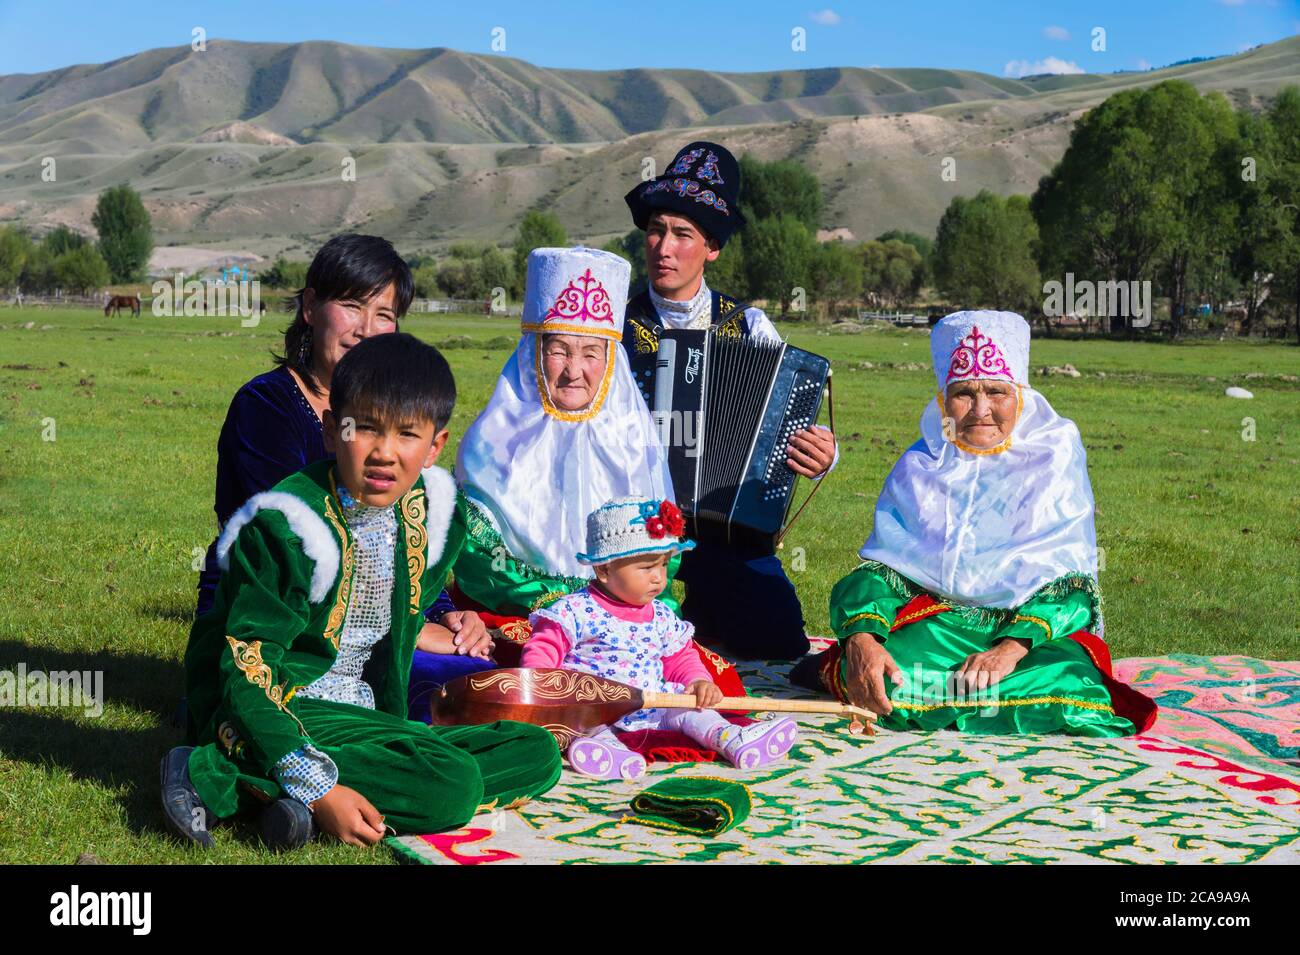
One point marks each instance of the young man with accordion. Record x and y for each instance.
(736, 404)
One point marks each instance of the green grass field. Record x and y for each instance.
(100, 527)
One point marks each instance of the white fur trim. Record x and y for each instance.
(439, 505)
(318, 541)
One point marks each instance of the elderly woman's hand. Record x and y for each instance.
(868, 665)
(982, 670)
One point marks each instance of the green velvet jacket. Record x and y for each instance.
(287, 559)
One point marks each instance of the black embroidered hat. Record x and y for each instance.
(703, 184)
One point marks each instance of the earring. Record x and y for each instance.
(304, 349)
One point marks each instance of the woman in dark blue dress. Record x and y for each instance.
(357, 286)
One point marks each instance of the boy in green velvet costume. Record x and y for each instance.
(297, 679)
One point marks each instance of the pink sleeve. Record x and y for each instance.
(547, 647)
(685, 666)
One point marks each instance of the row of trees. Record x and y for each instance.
(1161, 185)
(66, 259)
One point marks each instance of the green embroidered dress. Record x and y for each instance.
(1059, 686)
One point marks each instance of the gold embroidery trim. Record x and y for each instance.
(414, 506)
(866, 615)
(547, 597)
(731, 327)
(340, 608)
(248, 658)
(1038, 620)
(591, 410)
(712, 657)
(998, 449)
(647, 342)
(1026, 701)
(918, 614)
(564, 328)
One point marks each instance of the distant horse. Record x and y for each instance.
(119, 302)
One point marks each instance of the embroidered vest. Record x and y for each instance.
(642, 328)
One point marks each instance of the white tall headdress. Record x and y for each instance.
(987, 527)
(537, 470)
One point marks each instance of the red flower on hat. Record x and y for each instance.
(672, 518)
(668, 521)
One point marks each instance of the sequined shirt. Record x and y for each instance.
(306, 774)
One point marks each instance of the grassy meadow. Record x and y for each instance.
(101, 526)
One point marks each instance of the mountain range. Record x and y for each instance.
(250, 143)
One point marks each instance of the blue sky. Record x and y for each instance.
(1006, 38)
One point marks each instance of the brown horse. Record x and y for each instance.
(118, 302)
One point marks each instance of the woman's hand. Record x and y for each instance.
(869, 663)
(707, 693)
(985, 669)
(348, 815)
(811, 452)
(470, 635)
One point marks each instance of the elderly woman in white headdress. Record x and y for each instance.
(565, 431)
(977, 605)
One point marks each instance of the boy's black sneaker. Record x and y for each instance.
(183, 810)
(287, 824)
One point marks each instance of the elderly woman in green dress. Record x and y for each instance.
(976, 606)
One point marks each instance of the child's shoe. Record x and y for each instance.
(594, 756)
(287, 824)
(758, 744)
(183, 810)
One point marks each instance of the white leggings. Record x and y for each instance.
(700, 726)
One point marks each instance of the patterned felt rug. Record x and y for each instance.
(1216, 780)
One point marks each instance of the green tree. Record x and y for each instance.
(778, 252)
(496, 270)
(1284, 256)
(15, 248)
(1139, 194)
(923, 246)
(784, 187)
(81, 269)
(425, 279)
(984, 253)
(125, 233)
(285, 274)
(62, 239)
(537, 230)
(836, 276)
(727, 273)
(892, 270)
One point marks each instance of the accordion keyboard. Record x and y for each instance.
(800, 412)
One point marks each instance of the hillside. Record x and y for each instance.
(245, 142)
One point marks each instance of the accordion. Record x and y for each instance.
(725, 408)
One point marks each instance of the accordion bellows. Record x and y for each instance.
(725, 408)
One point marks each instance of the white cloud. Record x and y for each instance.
(1056, 33)
(1049, 64)
(827, 17)
(1144, 64)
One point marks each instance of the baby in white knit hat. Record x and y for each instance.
(616, 628)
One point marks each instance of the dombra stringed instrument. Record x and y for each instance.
(725, 408)
(569, 703)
